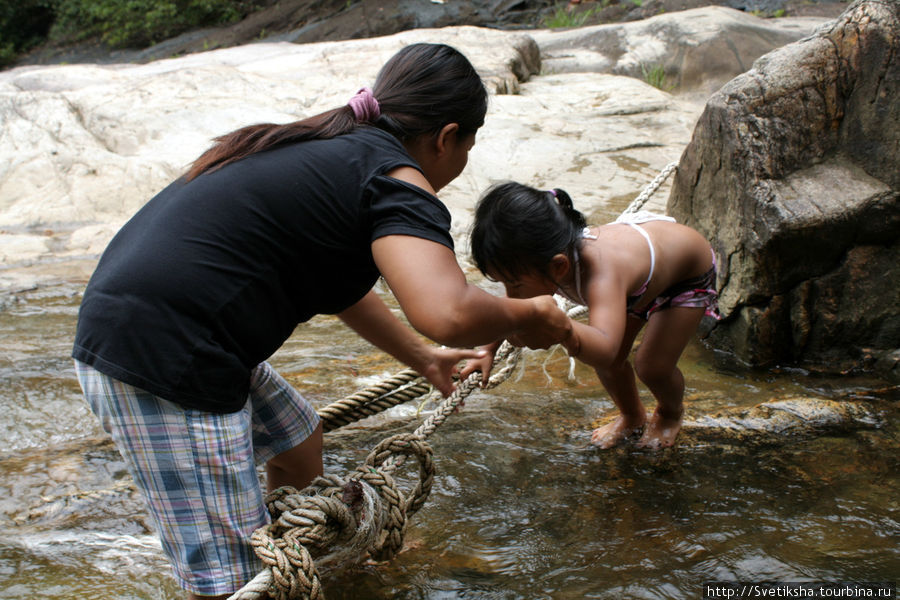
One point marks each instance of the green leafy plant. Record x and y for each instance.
(138, 23)
(23, 25)
(564, 18)
(655, 75)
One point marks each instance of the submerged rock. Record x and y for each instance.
(782, 420)
(777, 422)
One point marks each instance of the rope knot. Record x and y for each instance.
(335, 521)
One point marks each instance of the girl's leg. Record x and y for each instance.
(619, 382)
(668, 333)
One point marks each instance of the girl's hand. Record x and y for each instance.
(483, 365)
(441, 365)
(549, 325)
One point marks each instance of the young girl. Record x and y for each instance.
(643, 269)
(272, 225)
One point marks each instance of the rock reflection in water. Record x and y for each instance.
(523, 506)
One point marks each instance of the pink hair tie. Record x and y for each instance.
(365, 106)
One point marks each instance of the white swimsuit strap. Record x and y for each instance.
(652, 251)
(579, 299)
(643, 217)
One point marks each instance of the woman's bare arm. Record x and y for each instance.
(438, 301)
(374, 321)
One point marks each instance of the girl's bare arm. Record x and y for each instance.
(597, 342)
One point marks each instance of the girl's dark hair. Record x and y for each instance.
(419, 90)
(519, 229)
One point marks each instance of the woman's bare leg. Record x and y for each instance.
(298, 466)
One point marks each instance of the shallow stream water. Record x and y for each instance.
(522, 505)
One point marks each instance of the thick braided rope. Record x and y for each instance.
(366, 512)
(403, 386)
(312, 519)
(507, 353)
(651, 187)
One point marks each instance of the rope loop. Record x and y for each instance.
(330, 514)
(334, 521)
(399, 508)
(293, 572)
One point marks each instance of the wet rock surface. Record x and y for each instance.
(90, 473)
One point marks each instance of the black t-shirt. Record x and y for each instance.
(210, 277)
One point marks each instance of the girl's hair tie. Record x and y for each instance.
(552, 193)
(365, 106)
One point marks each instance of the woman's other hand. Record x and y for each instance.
(483, 364)
(442, 364)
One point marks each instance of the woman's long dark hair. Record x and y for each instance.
(419, 90)
(519, 229)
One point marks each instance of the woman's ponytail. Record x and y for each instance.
(245, 141)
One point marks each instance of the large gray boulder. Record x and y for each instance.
(794, 172)
(697, 50)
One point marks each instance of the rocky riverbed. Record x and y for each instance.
(84, 145)
(305, 21)
(777, 474)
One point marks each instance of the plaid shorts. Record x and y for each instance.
(197, 470)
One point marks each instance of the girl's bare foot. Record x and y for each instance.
(660, 431)
(615, 432)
